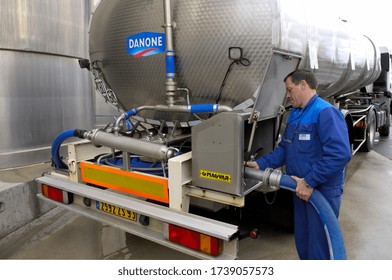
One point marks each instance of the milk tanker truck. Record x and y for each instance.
(198, 85)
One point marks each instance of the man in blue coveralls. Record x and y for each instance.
(315, 150)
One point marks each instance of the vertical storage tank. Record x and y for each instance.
(42, 89)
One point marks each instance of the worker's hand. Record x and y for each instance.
(303, 191)
(252, 164)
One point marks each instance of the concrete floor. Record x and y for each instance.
(365, 219)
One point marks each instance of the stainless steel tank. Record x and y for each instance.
(42, 89)
(205, 30)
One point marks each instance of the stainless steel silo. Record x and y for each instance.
(42, 89)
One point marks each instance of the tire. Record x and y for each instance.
(370, 132)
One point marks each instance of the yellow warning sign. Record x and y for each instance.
(207, 174)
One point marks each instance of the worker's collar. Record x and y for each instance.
(310, 102)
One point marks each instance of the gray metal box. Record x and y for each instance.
(218, 154)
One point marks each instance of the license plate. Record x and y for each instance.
(118, 211)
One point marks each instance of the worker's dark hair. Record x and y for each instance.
(298, 75)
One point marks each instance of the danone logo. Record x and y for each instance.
(207, 174)
(146, 44)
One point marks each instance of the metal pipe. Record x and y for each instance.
(131, 145)
(171, 85)
(168, 24)
(196, 108)
(252, 134)
(269, 177)
(362, 111)
(126, 161)
(347, 94)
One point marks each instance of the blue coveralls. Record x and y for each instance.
(315, 146)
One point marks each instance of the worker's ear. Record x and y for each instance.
(303, 84)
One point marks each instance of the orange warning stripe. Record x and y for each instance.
(143, 185)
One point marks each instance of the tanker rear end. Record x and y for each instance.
(199, 89)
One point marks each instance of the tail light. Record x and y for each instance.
(360, 124)
(56, 194)
(195, 240)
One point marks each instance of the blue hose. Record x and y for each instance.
(55, 151)
(204, 108)
(130, 113)
(56, 148)
(327, 216)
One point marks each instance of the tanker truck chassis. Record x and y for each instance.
(170, 168)
(369, 108)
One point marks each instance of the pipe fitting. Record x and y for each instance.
(269, 178)
(274, 179)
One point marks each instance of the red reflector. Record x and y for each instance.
(196, 240)
(56, 194)
(360, 124)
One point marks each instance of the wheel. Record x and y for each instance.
(370, 132)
